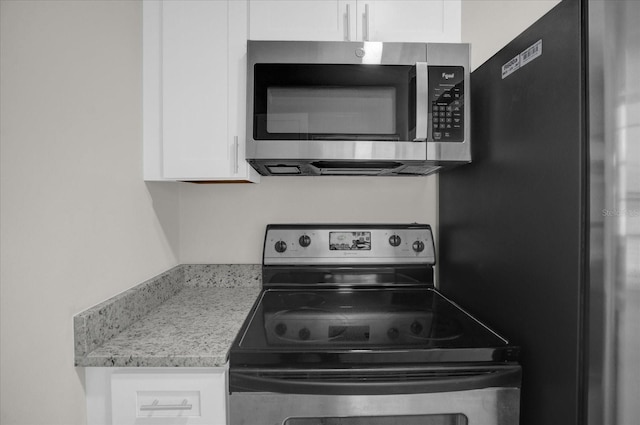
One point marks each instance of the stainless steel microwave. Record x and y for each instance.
(357, 108)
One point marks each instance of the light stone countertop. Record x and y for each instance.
(195, 328)
(187, 317)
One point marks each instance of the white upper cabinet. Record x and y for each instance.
(193, 90)
(356, 20)
(409, 21)
(194, 102)
(314, 20)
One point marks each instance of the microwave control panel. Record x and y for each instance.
(446, 106)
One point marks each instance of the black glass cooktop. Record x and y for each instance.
(362, 325)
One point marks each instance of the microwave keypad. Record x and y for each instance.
(446, 95)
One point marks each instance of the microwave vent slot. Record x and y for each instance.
(284, 170)
(354, 165)
(418, 170)
(351, 172)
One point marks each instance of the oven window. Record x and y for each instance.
(441, 419)
(334, 102)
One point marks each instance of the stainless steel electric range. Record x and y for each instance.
(349, 329)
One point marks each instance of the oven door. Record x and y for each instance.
(496, 406)
(432, 396)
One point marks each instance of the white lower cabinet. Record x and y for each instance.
(156, 396)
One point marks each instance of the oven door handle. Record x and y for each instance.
(289, 382)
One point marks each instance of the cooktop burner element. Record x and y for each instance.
(304, 325)
(337, 295)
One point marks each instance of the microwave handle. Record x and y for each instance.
(422, 102)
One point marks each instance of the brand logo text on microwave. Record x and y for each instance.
(448, 76)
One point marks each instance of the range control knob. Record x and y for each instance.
(280, 246)
(416, 327)
(393, 333)
(304, 241)
(394, 240)
(304, 334)
(418, 246)
(281, 329)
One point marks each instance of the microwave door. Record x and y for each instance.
(353, 102)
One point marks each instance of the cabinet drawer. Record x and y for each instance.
(184, 397)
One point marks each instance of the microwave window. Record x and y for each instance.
(334, 102)
(331, 110)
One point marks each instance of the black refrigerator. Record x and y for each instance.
(540, 234)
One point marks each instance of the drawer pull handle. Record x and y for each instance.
(156, 406)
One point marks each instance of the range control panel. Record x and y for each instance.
(348, 244)
(446, 108)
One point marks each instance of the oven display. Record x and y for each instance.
(350, 241)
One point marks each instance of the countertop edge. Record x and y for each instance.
(144, 361)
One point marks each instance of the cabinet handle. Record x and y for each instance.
(347, 35)
(237, 155)
(365, 34)
(155, 406)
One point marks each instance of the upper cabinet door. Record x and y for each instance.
(356, 20)
(409, 21)
(194, 89)
(313, 20)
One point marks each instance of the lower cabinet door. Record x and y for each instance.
(169, 397)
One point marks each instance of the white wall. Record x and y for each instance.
(226, 223)
(490, 24)
(78, 224)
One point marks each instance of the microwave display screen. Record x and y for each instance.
(327, 110)
(350, 241)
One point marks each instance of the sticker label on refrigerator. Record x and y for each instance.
(531, 53)
(510, 67)
(527, 55)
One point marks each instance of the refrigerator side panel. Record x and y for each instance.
(513, 222)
